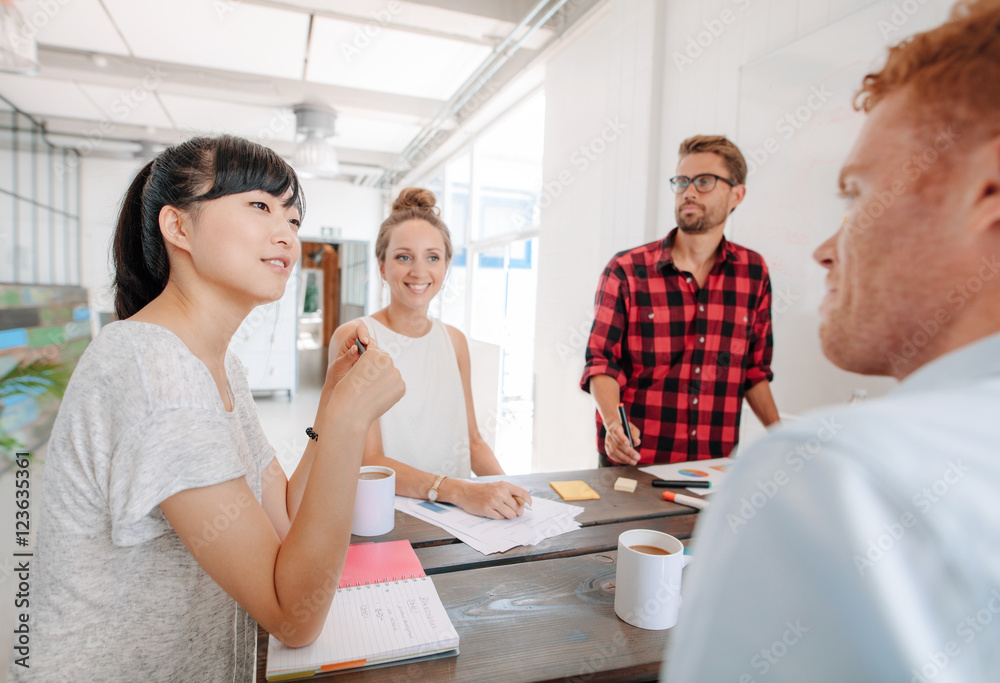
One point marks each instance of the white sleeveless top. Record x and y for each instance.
(428, 428)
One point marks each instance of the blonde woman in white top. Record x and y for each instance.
(430, 438)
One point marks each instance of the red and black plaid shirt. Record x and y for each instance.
(683, 356)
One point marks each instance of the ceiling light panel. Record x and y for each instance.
(47, 97)
(78, 25)
(439, 20)
(220, 34)
(372, 57)
(199, 116)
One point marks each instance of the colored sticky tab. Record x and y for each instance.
(625, 484)
(574, 490)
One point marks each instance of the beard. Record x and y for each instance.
(700, 224)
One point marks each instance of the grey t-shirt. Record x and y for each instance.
(116, 596)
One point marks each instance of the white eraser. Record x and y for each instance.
(626, 485)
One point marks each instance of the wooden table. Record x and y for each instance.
(543, 612)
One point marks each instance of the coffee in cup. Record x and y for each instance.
(369, 476)
(650, 549)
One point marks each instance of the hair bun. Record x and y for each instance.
(415, 198)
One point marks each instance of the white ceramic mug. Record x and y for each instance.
(648, 586)
(375, 503)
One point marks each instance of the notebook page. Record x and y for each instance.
(373, 623)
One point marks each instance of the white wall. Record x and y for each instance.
(642, 62)
(103, 183)
(599, 96)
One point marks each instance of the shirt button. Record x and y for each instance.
(687, 280)
(701, 341)
(695, 401)
(701, 308)
(744, 318)
(697, 370)
(693, 432)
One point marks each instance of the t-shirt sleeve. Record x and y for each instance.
(168, 452)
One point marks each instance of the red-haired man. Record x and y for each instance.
(860, 544)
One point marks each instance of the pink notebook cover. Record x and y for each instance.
(380, 562)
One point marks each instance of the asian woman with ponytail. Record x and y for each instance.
(167, 528)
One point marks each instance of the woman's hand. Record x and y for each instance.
(345, 354)
(370, 387)
(494, 499)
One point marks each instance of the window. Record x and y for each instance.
(490, 201)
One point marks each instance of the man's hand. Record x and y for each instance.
(616, 444)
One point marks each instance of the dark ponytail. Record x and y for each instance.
(198, 170)
(138, 279)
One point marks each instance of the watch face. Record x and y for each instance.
(432, 495)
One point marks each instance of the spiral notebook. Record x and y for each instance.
(386, 610)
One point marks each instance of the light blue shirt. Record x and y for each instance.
(861, 543)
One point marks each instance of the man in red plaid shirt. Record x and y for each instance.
(682, 326)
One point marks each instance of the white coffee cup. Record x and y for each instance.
(375, 503)
(648, 586)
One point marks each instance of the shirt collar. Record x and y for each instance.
(666, 257)
(978, 359)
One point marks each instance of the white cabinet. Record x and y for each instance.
(266, 342)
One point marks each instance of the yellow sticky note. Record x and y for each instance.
(574, 490)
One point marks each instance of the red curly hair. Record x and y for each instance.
(951, 73)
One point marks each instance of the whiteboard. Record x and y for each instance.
(796, 126)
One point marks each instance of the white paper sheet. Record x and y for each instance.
(547, 518)
(713, 471)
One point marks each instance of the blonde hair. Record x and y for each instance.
(413, 203)
(721, 145)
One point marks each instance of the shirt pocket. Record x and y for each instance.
(653, 350)
(729, 346)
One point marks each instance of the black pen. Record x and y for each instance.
(675, 483)
(624, 418)
(361, 347)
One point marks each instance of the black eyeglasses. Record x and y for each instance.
(704, 182)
